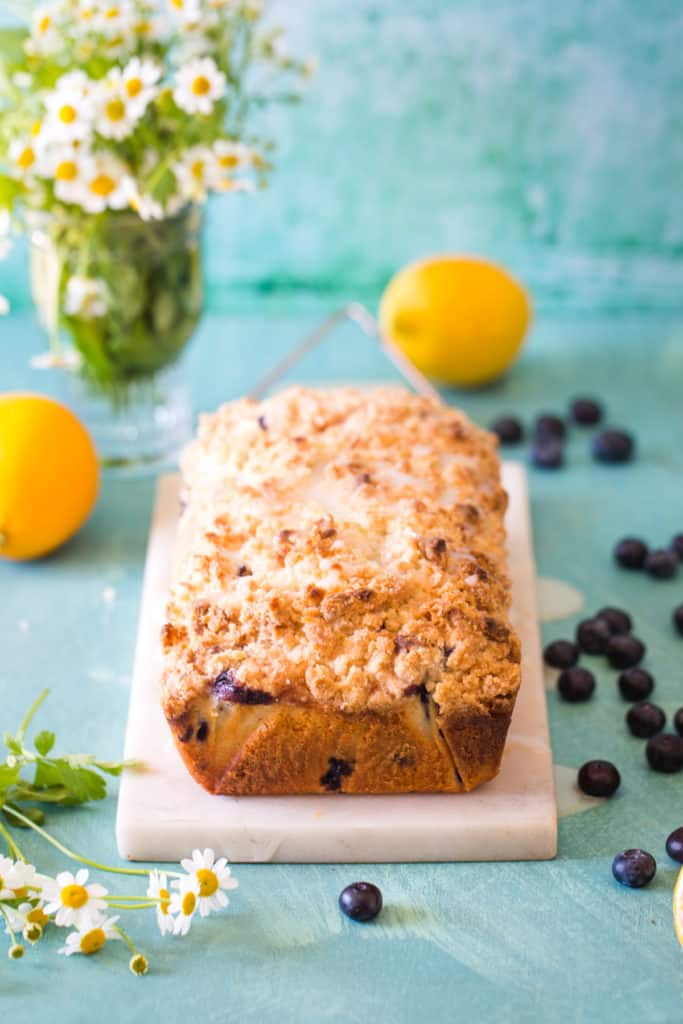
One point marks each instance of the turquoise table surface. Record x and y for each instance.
(539, 942)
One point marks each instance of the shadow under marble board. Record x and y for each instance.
(163, 813)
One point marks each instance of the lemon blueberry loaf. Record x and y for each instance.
(338, 618)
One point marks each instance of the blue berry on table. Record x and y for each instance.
(636, 684)
(593, 635)
(625, 651)
(548, 425)
(613, 446)
(547, 453)
(631, 553)
(645, 720)
(561, 654)
(361, 901)
(575, 684)
(618, 621)
(678, 619)
(509, 429)
(674, 845)
(662, 564)
(634, 868)
(665, 752)
(677, 545)
(678, 721)
(586, 412)
(599, 778)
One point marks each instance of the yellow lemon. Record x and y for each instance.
(459, 319)
(49, 475)
(678, 907)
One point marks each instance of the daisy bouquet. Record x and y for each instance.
(118, 118)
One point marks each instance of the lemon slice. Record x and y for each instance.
(678, 907)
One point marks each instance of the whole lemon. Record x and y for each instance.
(459, 319)
(49, 475)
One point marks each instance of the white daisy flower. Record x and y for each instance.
(23, 154)
(195, 173)
(23, 880)
(105, 184)
(71, 900)
(139, 79)
(65, 359)
(91, 936)
(198, 85)
(115, 113)
(7, 875)
(145, 207)
(210, 877)
(183, 905)
(70, 109)
(85, 297)
(114, 18)
(67, 166)
(45, 35)
(158, 890)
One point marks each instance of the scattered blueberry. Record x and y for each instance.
(674, 845)
(547, 453)
(634, 868)
(593, 635)
(645, 720)
(677, 545)
(586, 411)
(678, 721)
(625, 651)
(665, 752)
(631, 553)
(613, 446)
(561, 654)
(509, 429)
(576, 684)
(361, 901)
(678, 619)
(599, 778)
(662, 564)
(636, 684)
(548, 425)
(617, 620)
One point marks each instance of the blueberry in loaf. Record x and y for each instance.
(338, 618)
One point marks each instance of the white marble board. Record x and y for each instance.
(163, 813)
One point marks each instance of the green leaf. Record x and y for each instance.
(9, 190)
(114, 767)
(13, 744)
(12, 45)
(34, 814)
(8, 775)
(46, 775)
(44, 742)
(83, 783)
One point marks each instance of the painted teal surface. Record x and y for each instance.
(544, 943)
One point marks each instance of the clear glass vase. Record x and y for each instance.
(120, 298)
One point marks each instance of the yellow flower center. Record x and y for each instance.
(38, 916)
(67, 113)
(66, 170)
(178, 4)
(19, 894)
(133, 87)
(143, 28)
(102, 185)
(115, 110)
(2, 883)
(188, 904)
(87, 13)
(197, 169)
(201, 85)
(35, 128)
(112, 13)
(165, 900)
(92, 941)
(208, 882)
(26, 158)
(228, 160)
(74, 896)
(44, 23)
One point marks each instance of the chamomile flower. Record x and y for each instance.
(145, 207)
(105, 184)
(71, 900)
(195, 173)
(23, 879)
(23, 157)
(91, 936)
(183, 906)
(116, 113)
(67, 166)
(158, 890)
(210, 877)
(114, 19)
(70, 109)
(45, 35)
(199, 84)
(85, 297)
(139, 79)
(7, 876)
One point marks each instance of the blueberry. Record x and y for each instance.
(678, 619)
(634, 868)
(617, 620)
(631, 553)
(662, 564)
(645, 720)
(547, 453)
(593, 635)
(585, 411)
(677, 545)
(636, 684)
(576, 684)
(548, 425)
(509, 429)
(613, 446)
(361, 901)
(625, 651)
(561, 654)
(665, 752)
(599, 778)
(678, 721)
(674, 845)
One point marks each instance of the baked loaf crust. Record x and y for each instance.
(338, 616)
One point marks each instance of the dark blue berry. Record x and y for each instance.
(677, 545)
(561, 654)
(636, 684)
(617, 620)
(593, 635)
(361, 901)
(665, 752)
(645, 720)
(625, 651)
(547, 453)
(662, 564)
(678, 721)
(548, 425)
(585, 411)
(576, 684)
(613, 446)
(509, 429)
(677, 618)
(634, 868)
(631, 553)
(599, 778)
(674, 845)
(227, 688)
(337, 770)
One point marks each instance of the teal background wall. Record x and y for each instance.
(548, 136)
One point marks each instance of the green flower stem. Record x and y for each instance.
(131, 899)
(26, 721)
(9, 926)
(144, 872)
(126, 938)
(130, 906)
(14, 850)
